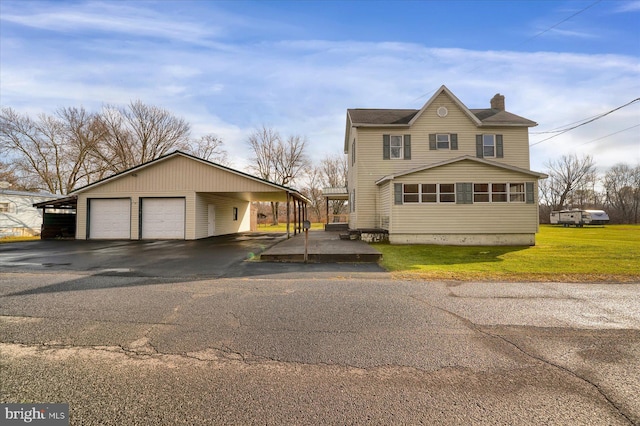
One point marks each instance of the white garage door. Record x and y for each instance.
(163, 218)
(110, 218)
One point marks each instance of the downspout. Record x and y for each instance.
(391, 205)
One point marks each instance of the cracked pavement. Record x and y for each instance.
(300, 347)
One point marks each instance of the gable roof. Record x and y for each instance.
(174, 154)
(459, 104)
(363, 117)
(458, 159)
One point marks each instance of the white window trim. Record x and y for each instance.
(455, 195)
(391, 146)
(493, 137)
(508, 192)
(448, 135)
(404, 193)
(437, 194)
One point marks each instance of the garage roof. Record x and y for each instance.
(292, 192)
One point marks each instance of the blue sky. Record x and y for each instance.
(229, 67)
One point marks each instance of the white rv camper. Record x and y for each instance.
(579, 217)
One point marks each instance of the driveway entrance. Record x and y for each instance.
(210, 257)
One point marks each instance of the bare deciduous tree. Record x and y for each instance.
(8, 175)
(74, 147)
(209, 147)
(622, 186)
(312, 189)
(566, 174)
(277, 160)
(140, 133)
(49, 153)
(334, 172)
(83, 133)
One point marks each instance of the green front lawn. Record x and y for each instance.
(589, 254)
(4, 240)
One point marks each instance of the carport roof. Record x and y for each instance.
(293, 192)
(59, 203)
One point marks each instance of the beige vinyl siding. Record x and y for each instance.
(516, 139)
(371, 167)
(477, 218)
(385, 201)
(183, 174)
(352, 173)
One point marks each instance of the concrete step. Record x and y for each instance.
(336, 227)
(322, 257)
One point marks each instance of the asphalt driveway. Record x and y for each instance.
(214, 257)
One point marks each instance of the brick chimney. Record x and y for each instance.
(497, 102)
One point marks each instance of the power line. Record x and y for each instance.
(531, 38)
(584, 120)
(561, 128)
(597, 117)
(611, 134)
(561, 22)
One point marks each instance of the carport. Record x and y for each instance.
(58, 218)
(178, 196)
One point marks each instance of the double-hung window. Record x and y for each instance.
(395, 146)
(442, 141)
(488, 145)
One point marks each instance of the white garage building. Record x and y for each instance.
(177, 196)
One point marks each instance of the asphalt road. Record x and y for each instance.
(317, 344)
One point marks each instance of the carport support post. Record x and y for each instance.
(327, 200)
(288, 219)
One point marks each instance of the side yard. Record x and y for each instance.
(590, 254)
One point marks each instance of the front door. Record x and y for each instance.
(211, 222)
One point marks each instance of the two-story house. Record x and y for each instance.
(443, 174)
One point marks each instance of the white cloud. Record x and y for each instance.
(628, 6)
(109, 17)
(305, 86)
